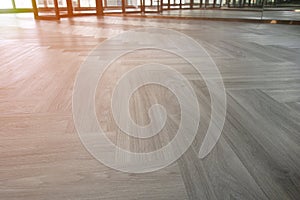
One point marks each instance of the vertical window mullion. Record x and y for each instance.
(13, 4)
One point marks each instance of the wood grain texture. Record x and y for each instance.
(41, 156)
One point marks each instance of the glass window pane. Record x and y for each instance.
(6, 4)
(23, 4)
(50, 3)
(62, 3)
(87, 3)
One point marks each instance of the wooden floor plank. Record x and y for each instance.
(41, 156)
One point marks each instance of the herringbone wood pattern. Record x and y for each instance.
(41, 157)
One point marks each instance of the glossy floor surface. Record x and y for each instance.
(41, 156)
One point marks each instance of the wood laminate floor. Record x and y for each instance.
(41, 156)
